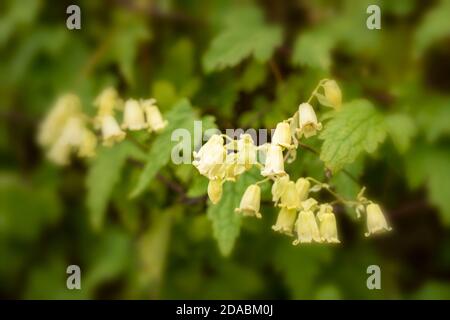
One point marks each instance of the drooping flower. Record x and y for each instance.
(210, 159)
(302, 186)
(307, 229)
(51, 127)
(59, 153)
(232, 168)
(215, 190)
(69, 139)
(285, 221)
(154, 118)
(309, 204)
(282, 135)
(246, 151)
(274, 162)
(308, 125)
(111, 132)
(333, 93)
(250, 202)
(133, 116)
(106, 102)
(376, 222)
(88, 144)
(290, 198)
(328, 228)
(278, 188)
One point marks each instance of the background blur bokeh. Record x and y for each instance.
(161, 244)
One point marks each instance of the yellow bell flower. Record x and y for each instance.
(307, 229)
(106, 102)
(51, 127)
(282, 135)
(232, 167)
(88, 144)
(246, 151)
(250, 202)
(376, 222)
(59, 153)
(215, 190)
(309, 204)
(285, 221)
(210, 159)
(111, 132)
(70, 138)
(328, 228)
(154, 118)
(278, 188)
(290, 198)
(133, 116)
(308, 125)
(274, 161)
(302, 186)
(333, 93)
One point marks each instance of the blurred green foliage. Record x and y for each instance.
(147, 232)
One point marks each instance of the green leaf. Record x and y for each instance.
(107, 257)
(313, 49)
(300, 267)
(125, 41)
(433, 119)
(152, 249)
(180, 117)
(26, 208)
(401, 129)
(254, 75)
(435, 26)
(345, 185)
(429, 165)
(356, 128)
(198, 186)
(103, 175)
(226, 222)
(245, 34)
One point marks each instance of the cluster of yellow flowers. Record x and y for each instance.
(220, 162)
(66, 128)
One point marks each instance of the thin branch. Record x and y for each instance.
(172, 185)
(276, 71)
(346, 172)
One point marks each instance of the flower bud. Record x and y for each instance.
(333, 93)
(274, 162)
(308, 125)
(376, 222)
(307, 229)
(215, 190)
(278, 188)
(302, 186)
(285, 221)
(154, 118)
(133, 116)
(328, 229)
(290, 198)
(111, 132)
(282, 135)
(250, 202)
